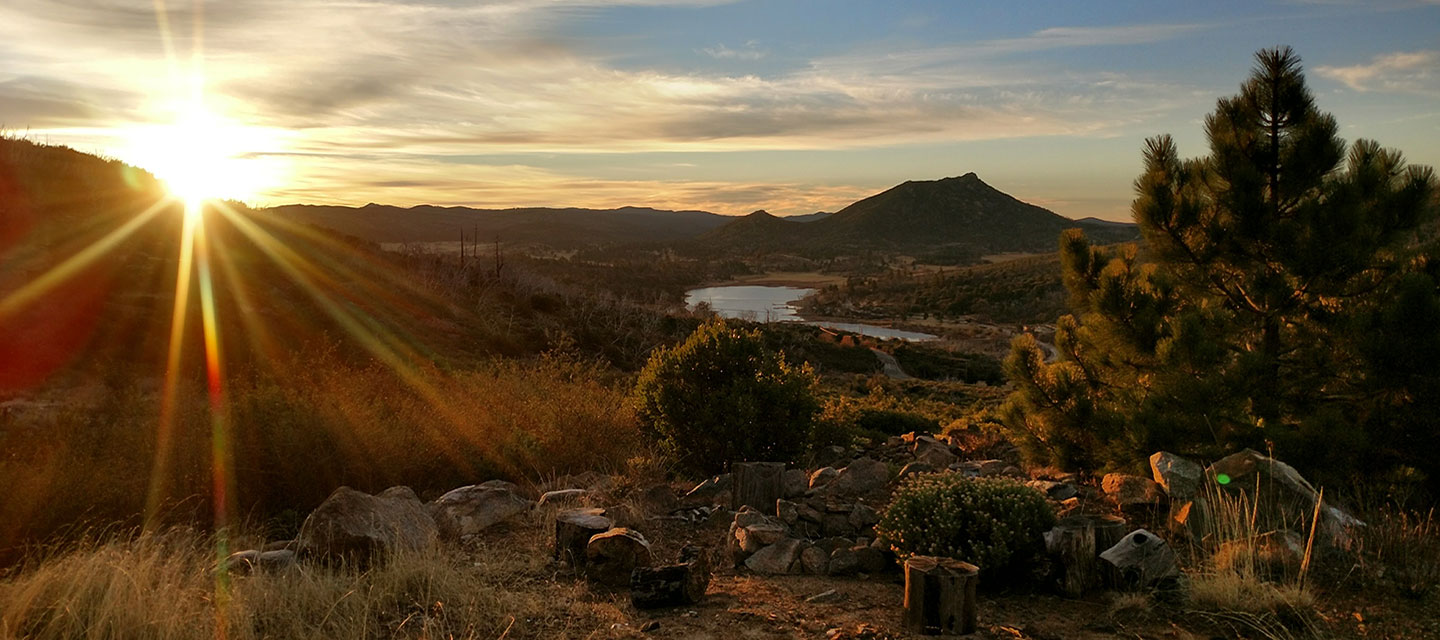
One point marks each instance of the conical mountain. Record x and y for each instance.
(929, 214)
(758, 231)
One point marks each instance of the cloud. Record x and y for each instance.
(367, 88)
(751, 51)
(1405, 72)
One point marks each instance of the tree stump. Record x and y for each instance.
(758, 485)
(1076, 542)
(573, 530)
(940, 595)
(672, 585)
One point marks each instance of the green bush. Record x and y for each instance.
(886, 422)
(722, 396)
(996, 524)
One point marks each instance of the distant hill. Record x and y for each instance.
(561, 228)
(810, 217)
(759, 231)
(951, 220)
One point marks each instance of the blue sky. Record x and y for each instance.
(790, 106)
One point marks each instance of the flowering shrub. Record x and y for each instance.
(996, 524)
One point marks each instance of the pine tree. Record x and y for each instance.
(1279, 285)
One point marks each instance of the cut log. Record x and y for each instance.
(573, 530)
(758, 485)
(672, 585)
(1076, 543)
(940, 595)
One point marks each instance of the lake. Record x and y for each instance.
(776, 304)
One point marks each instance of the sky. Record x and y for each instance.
(793, 106)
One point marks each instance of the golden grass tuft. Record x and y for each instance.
(163, 587)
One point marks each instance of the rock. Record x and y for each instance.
(809, 513)
(787, 511)
(240, 563)
(472, 509)
(836, 525)
(559, 496)
(864, 475)
(863, 517)
(831, 455)
(822, 477)
(932, 452)
(747, 516)
(714, 491)
(1127, 490)
(357, 525)
(1142, 558)
(794, 483)
(757, 536)
(777, 558)
(916, 467)
(991, 467)
(1012, 471)
(277, 560)
(1287, 500)
(825, 597)
(610, 557)
(844, 562)
(832, 543)
(814, 560)
(1058, 491)
(650, 625)
(660, 498)
(1180, 478)
(870, 559)
(279, 545)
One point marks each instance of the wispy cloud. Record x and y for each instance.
(1408, 72)
(751, 51)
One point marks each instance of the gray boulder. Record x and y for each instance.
(1142, 558)
(1180, 478)
(864, 475)
(844, 562)
(916, 468)
(814, 561)
(469, 510)
(757, 536)
(933, 452)
(356, 525)
(822, 477)
(1286, 499)
(794, 482)
(778, 558)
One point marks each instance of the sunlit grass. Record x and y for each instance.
(162, 587)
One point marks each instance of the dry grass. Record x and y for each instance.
(163, 587)
(1251, 584)
(296, 435)
(1399, 551)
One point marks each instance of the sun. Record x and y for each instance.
(201, 155)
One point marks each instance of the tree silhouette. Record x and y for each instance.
(1277, 283)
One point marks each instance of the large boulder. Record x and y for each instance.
(861, 476)
(610, 557)
(1285, 500)
(469, 510)
(355, 525)
(1180, 478)
(823, 476)
(1128, 491)
(758, 536)
(933, 452)
(563, 496)
(794, 483)
(1142, 559)
(777, 559)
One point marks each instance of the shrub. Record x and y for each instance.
(996, 524)
(722, 396)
